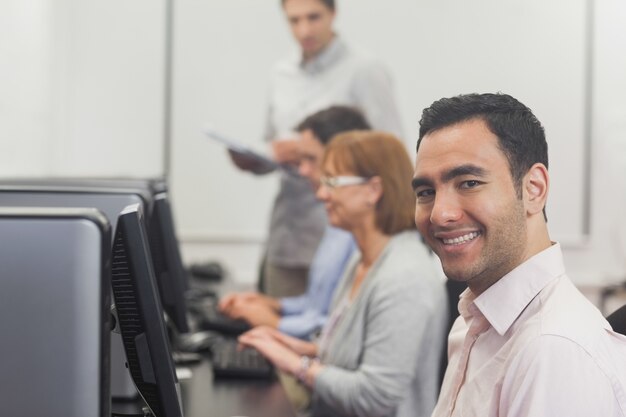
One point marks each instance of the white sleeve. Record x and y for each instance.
(374, 95)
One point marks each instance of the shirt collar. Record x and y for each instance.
(327, 56)
(504, 301)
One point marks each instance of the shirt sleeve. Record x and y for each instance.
(304, 314)
(373, 91)
(293, 305)
(302, 325)
(395, 326)
(554, 376)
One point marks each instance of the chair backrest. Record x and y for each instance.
(617, 320)
(54, 312)
(454, 290)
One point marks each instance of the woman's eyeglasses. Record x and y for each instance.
(342, 181)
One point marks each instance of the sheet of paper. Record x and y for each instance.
(242, 150)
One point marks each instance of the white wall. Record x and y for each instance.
(604, 258)
(81, 87)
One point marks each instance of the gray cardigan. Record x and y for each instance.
(384, 355)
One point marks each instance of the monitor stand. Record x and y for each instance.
(122, 385)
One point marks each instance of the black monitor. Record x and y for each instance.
(168, 266)
(140, 316)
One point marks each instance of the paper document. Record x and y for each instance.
(260, 162)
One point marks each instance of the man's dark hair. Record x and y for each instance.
(336, 119)
(520, 135)
(328, 3)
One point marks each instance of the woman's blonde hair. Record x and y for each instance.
(370, 154)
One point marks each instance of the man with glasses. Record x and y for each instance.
(301, 316)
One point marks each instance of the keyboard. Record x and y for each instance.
(230, 362)
(210, 318)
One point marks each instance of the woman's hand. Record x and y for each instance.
(299, 346)
(285, 352)
(265, 341)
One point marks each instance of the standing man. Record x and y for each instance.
(302, 316)
(527, 343)
(326, 71)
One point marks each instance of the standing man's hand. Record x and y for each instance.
(286, 151)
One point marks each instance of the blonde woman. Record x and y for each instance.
(380, 350)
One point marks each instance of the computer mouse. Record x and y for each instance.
(199, 341)
(212, 270)
(196, 294)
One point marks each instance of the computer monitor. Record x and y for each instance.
(110, 201)
(55, 317)
(111, 196)
(150, 185)
(168, 266)
(140, 316)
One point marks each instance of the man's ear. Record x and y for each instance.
(536, 183)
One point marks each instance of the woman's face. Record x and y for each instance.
(350, 200)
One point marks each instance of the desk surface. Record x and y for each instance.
(203, 396)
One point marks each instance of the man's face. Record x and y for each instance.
(311, 23)
(467, 207)
(311, 152)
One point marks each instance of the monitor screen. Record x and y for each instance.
(140, 316)
(168, 266)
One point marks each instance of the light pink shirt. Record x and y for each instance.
(533, 345)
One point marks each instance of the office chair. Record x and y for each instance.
(453, 290)
(609, 291)
(617, 320)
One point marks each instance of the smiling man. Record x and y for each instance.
(527, 343)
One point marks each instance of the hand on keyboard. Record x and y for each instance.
(231, 360)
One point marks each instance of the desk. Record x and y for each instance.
(205, 397)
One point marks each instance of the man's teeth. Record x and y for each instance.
(461, 239)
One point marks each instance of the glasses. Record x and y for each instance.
(342, 181)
